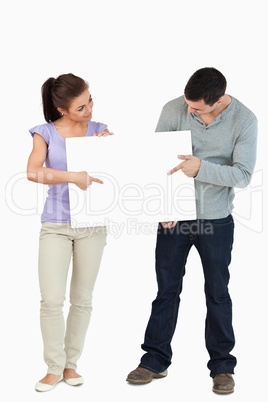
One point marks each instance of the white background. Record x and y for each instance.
(136, 55)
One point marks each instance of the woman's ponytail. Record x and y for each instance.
(50, 111)
(59, 92)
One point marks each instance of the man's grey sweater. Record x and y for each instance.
(226, 147)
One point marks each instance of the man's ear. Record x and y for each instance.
(220, 100)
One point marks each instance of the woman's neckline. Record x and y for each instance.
(64, 138)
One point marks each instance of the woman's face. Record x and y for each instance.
(80, 109)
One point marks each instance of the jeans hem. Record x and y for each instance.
(148, 368)
(212, 375)
(152, 370)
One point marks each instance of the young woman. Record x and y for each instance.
(67, 107)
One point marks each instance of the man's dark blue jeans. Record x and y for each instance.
(213, 239)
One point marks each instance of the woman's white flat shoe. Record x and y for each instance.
(39, 386)
(75, 381)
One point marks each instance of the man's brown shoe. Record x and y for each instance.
(223, 383)
(143, 376)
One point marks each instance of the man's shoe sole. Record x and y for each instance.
(222, 391)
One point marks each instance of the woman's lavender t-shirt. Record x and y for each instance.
(57, 205)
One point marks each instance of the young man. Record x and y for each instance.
(224, 134)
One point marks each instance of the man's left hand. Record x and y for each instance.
(190, 166)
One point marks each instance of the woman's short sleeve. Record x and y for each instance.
(95, 128)
(41, 130)
(101, 127)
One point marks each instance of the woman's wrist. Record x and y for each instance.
(71, 177)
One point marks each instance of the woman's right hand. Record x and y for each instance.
(83, 180)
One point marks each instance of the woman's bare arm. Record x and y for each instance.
(37, 173)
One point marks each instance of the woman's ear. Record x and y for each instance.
(61, 111)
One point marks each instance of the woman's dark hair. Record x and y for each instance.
(208, 84)
(59, 92)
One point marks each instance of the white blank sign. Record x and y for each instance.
(136, 186)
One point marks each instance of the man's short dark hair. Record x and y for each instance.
(208, 84)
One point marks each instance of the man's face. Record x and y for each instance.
(200, 107)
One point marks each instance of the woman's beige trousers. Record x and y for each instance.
(58, 243)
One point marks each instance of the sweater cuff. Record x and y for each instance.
(202, 171)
